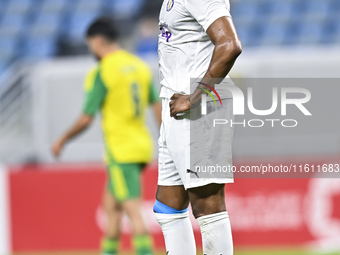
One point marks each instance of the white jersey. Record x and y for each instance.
(184, 48)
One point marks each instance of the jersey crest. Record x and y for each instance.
(169, 5)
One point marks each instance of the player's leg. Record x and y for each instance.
(141, 239)
(206, 190)
(208, 205)
(175, 197)
(127, 189)
(171, 211)
(114, 214)
(171, 206)
(133, 208)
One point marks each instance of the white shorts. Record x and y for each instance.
(175, 148)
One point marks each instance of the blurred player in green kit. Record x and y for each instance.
(121, 88)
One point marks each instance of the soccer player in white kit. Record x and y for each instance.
(197, 40)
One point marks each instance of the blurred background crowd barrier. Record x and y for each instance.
(43, 60)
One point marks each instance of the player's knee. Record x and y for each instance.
(112, 208)
(167, 216)
(207, 199)
(204, 210)
(207, 206)
(159, 207)
(173, 196)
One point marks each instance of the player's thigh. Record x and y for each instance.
(208, 199)
(173, 196)
(168, 173)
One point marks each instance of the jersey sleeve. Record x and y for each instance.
(95, 93)
(153, 93)
(207, 11)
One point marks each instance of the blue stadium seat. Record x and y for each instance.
(281, 10)
(3, 67)
(54, 6)
(336, 32)
(249, 34)
(246, 9)
(3, 4)
(18, 7)
(8, 49)
(12, 25)
(40, 47)
(292, 29)
(335, 5)
(335, 10)
(310, 32)
(146, 46)
(328, 32)
(46, 25)
(317, 9)
(274, 33)
(88, 5)
(78, 24)
(126, 9)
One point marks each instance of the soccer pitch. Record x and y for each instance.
(247, 251)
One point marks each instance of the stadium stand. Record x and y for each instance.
(43, 28)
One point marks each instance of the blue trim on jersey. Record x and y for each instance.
(162, 208)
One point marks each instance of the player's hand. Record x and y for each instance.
(57, 148)
(179, 103)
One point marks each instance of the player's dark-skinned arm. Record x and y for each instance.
(228, 47)
(82, 123)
